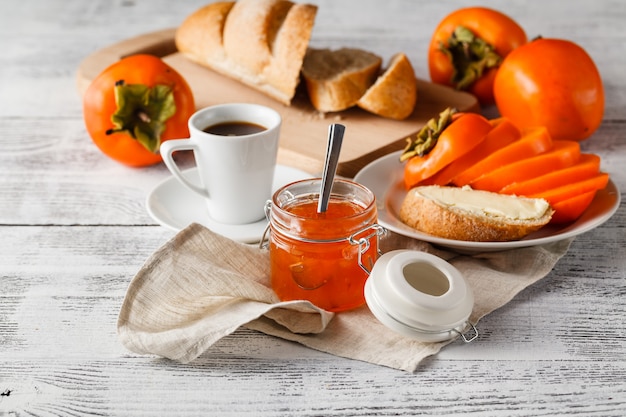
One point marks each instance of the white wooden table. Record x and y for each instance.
(74, 230)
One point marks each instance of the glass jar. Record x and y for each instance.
(323, 257)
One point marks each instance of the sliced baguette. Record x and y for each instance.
(337, 79)
(472, 215)
(261, 43)
(394, 93)
(200, 36)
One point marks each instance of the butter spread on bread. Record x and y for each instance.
(473, 215)
(261, 43)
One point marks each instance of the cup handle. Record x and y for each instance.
(167, 149)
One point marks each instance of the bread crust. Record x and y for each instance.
(394, 93)
(261, 43)
(199, 37)
(433, 218)
(290, 46)
(337, 79)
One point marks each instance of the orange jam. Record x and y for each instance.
(315, 256)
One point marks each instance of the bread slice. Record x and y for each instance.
(472, 215)
(394, 93)
(337, 79)
(261, 43)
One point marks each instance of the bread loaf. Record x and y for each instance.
(471, 215)
(337, 79)
(264, 44)
(394, 93)
(261, 43)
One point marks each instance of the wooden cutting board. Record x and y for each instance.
(304, 131)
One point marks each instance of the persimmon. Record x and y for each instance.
(533, 142)
(502, 134)
(440, 142)
(587, 166)
(569, 210)
(565, 192)
(468, 46)
(134, 105)
(552, 83)
(564, 153)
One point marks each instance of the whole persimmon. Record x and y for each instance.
(552, 83)
(134, 105)
(468, 46)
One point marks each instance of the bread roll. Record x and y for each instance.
(261, 43)
(337, 79)
(472, 215)
(394, 93)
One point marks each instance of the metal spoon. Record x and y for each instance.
(335, 138)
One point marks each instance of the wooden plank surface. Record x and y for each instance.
(304, 130)
(74, 230)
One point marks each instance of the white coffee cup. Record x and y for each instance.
(236, 171)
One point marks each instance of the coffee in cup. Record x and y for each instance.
(235, 147)
(234, 129)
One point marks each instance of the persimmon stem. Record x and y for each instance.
(142, 112)
(470, 55)
(426, 139)
(143, 116)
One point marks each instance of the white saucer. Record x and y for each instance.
(174, 206)
(384, 177)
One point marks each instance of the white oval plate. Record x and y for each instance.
(174, 206)
(384, 177)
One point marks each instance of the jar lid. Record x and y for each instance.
(420, 295)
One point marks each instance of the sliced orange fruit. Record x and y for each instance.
(565, 192)
(502, 134)
(587, 166)
(564, 153)
(572, 208)
(533, 142)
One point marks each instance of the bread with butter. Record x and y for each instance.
(261, 43)
(472, 215)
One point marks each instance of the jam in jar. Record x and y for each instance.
(323, 257)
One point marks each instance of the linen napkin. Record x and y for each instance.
(200, 286)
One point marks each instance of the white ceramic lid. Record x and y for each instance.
(419, 295)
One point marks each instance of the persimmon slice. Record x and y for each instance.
(564, 153)
(569, 210)
(502, 134)
(533, 141)
(565, 192)
(588, 166)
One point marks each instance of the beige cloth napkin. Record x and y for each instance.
(200, 287)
